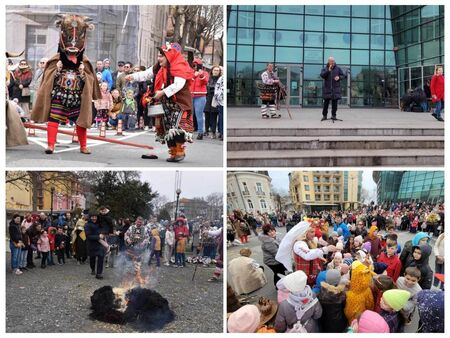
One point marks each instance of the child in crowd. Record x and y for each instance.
(114, 113)
(129, 111)
(179, 255)
(369, 322)
(103, 105)
(359, 296)
(419, 259)
(60, 246)
(410, 283)
(155, 247)
(337, 260)
(389, 256)
(24, 249)
(169, 242)
(391, 303)
(332, 299)
(350, 245)
(381, 283)
(358, 242)
(301, 305)
(43, 246)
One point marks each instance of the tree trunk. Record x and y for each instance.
(34, 176)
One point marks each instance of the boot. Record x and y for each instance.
(82, 138)
(172, 153)
(180, 152)
(52, 132)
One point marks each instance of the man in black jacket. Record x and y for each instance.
(331, 89)
(95, 249)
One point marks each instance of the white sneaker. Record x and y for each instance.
(18, 272)
(166, 264)
(146, 128)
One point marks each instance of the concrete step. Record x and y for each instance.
(327, 131)
(333, 142)
(337, 158)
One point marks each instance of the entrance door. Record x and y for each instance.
(413, 77)
(292, 77)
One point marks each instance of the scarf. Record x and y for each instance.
(130, 102)
(301, 300)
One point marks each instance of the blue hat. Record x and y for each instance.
(379, 267)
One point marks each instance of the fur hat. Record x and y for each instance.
(333, 277)
(372, 322)
(396, 298)
(295, 282)
(267, 308)
(334, 234)
(244, 320)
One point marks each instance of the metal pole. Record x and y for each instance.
(51, 204)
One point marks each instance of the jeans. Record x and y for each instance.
(199, 105)
(50, 258)
(60, 255)
(15, 255)
(220, 127)
(168, 253)
(180, 259)
(23, 258)
(44, 258)
(439, 107)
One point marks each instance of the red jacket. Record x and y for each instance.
(198, 84)
(51, 237)
(181, 231)
(437, 87)
(393, 263)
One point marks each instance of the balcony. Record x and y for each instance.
(246, 192)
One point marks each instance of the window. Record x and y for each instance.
(305, 178)
(246, 192)
(250, 204)
(263, 204)
(317, 188)
(306, 187)
(307, 197)
(259, 187)
(317, 198)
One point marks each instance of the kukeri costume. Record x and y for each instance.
(68, 84)
(270, 94)
(175, 125)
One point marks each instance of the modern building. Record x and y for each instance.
(249, 191)
(403, 186)
(122, 32)
(195, 207)
(325, 190)
(384, 50)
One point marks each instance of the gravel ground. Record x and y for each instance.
(57, 299)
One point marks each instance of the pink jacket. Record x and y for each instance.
(43, 244)
(106, 102)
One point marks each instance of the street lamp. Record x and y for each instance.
(178, 191)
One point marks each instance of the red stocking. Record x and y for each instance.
(82, 136)
(52, 132)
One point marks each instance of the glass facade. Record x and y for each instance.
(299, 40)
(408, 185)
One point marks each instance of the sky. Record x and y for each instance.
(193, 183)
(280, 180)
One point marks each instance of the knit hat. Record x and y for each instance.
(334, 234)
(361, 254)
(372, 322)
(367, 246)
(348, 261)
(339, 246)
(295, 282)
(379, 267)
(333, 277)
(244, 320)
(337, 255)
(344, 268)
(339, 231)
(246, 252)
(396, 298)
(358, 239)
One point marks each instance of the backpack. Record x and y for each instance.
(299, 327)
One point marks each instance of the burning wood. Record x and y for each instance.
(143, 309)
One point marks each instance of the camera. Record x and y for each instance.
(198, 67)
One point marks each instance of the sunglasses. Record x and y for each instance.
(22, 64)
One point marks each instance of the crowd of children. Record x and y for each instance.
(349, 276)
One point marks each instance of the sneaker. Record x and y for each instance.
(60, 263)
(166, 264)
(146, 128)
(99, 276)
(107, 266)
(18, 272)
(200, 137)
(323, 119)
(92, 272)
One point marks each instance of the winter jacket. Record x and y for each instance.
(393, 321)
(51, 233)
(170, 238)
(198, 85)
(437, 87)
(14, 232)
(43, 244)
(286, 317)
(431, 310)
(60, 241)
(393, 263)
(93, 231)
(332, 299)
(23, 78)
(423, 265)
(105, 103)
(407, 248)
(375, 246)
(269, 248)
(331, 89)
(106, 223)
(345, 231)
(210, 87)
(244, 276)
